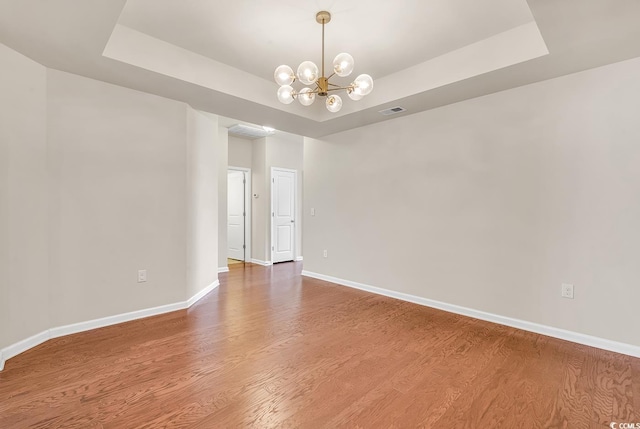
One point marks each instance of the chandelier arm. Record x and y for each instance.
(341, 87)
(332, 75)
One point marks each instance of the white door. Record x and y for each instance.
(235, 215)
(283, 209)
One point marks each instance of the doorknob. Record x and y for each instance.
(291, 220)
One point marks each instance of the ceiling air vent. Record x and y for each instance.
(250, 132)
(392, 110)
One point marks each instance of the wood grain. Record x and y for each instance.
(270, 348)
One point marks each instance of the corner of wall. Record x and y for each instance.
(222, 163)
(202, 201)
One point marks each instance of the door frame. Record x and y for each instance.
(247, 210)
(295, 209)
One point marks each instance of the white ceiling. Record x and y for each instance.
(383, 37)
(219, 56)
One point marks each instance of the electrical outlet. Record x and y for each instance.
(567, 290)
(324, 253)
(142, 276)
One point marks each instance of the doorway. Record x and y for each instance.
(283, 211)
(238, 215)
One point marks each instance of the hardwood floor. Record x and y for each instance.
(272, 349)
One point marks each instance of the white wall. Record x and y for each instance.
(5, 108)
(259, 205)
(223, 156)
(492, 203)
(240, 152)
(118, 170)
(24, 265)
(202, 189)
(96, 182)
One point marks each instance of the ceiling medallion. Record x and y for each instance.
(308, 75)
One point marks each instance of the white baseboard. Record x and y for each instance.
(575, 337)
(60, 331)
(198, 296)
(74, 328)
(22, 346)
(268, 263)
(223, 270)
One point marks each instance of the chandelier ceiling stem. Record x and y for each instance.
(323, 22)
(308, 75)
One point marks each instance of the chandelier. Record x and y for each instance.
(307, 74)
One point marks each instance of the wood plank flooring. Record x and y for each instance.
(270, 348)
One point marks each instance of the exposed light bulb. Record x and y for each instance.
(306, 96)
(286, 94)
(308, 73)
(363, 85)
(343, 64)
(334, 103)
(355, 96)
(284, 75)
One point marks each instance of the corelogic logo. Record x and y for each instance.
(614, 425)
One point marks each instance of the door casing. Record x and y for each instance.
(247, 209)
